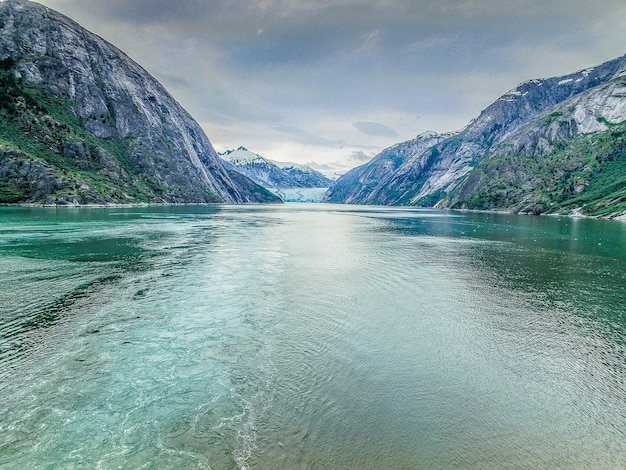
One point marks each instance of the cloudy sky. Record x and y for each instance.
(336, 81)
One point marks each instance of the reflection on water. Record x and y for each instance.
(310, 336)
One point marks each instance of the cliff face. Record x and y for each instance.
(534, 121)
(369, 183)
(83, 123)
(304, 176)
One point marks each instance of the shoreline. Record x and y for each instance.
(575, 214)
(135, 204)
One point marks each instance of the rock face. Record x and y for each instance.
(305, 176)
(369, 183)
(273, 175)
(83, 123)
(539, 121)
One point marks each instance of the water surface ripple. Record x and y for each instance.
(310, 336)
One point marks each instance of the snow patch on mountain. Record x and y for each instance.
(274, 175)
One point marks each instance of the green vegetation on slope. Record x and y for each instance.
(46, 155)
(587, 173)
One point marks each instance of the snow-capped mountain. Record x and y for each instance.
(305, 176)
(273, 175)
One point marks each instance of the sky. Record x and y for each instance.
(337, 81)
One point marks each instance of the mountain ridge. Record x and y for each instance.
(271, 174)
(534, 119)
(82, 123)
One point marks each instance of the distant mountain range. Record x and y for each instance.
(554, 145)
(81, 123)
(273, 175)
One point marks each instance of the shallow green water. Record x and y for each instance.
(310, 336)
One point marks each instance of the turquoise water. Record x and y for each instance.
(310, 336)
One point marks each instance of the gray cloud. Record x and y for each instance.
(357, 31)
(360, 157)
(375, 128)
(172, 80)
(305, 137)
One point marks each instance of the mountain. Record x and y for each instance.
(548, 145)
(366, 184)
(80, 122)
(332, 170)
(273, 175)
(305, 176)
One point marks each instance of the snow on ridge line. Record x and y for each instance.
(242, 156)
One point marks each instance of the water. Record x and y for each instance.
(310, 336)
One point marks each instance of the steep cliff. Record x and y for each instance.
(369, 183)
(80, 122)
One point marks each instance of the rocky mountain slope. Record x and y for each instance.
(305, 176)
(80, 122)
(273, 175)
(523, 153)
(367, 184)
